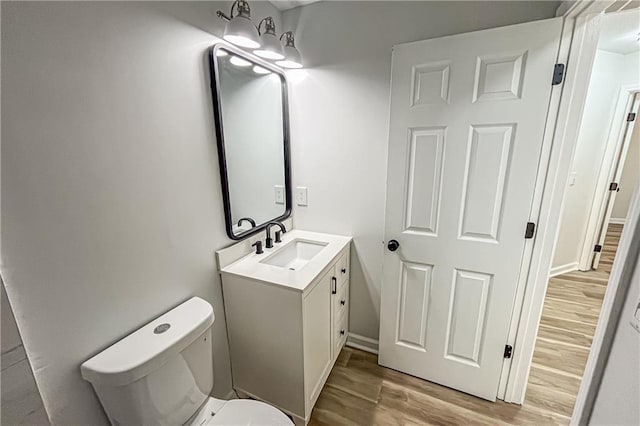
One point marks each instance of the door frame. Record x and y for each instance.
(614, 152)
(578, 44)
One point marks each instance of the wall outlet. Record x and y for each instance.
(301, 196)
(279, 194)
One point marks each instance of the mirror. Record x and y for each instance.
(252, 129)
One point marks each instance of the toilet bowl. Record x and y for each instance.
(162, 374)
(238, 412)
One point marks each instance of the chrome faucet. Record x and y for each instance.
(268, 243)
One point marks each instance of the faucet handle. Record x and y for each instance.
(278, 238)
(258, 246)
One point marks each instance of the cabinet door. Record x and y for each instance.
(317, 338)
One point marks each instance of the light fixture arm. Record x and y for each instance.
(242, 7)
(269, 25)
(289, 39)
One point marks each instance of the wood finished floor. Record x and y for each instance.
(360, 392)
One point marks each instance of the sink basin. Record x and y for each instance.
(295, 254)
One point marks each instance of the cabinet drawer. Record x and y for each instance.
(341, 301)
(340, 332)
(342, 267)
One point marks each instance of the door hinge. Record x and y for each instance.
(613, 186)
(558, 74)
(631, 116)
(508, 351)
(531, 230)
(597, 248)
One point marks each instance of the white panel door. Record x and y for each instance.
(467, 120)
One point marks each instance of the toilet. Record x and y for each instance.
(162, 374)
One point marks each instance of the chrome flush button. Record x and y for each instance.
(161, 328)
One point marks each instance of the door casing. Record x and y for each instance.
(578, 46)
(613, 153)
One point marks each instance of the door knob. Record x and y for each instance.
(393, 245)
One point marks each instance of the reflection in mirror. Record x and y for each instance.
(250, 101)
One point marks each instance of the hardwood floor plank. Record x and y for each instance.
(550, 399)
(356, 382)
(560, 356)
(552, 380)
(574, 326)
(565, 336)
(335, 407)
(570, 311)
(420, 405)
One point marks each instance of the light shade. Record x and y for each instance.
(241, 32)
(292, 58)
(270, 47)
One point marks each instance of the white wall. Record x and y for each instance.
(610, 72)
(630, 180)
(340, 115)
(111, 201)
(618, 399)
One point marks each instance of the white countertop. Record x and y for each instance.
(249, 266)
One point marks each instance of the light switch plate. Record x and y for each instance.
(301, 196)
(279, 194)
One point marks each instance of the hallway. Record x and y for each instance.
(571, 310)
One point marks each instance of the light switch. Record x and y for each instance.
(279, 194)
(301, 196)
(572, 179)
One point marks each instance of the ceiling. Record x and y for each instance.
(283, 5)
(620, 32)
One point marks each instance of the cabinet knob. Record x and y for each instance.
(342, 302)
(342, 332)
(344, 270)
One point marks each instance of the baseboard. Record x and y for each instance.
(617, 220)
(563, 269)
(231, 395)
(363, 343)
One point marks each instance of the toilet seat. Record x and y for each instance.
(249, 412)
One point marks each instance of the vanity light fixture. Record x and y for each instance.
(292, 56)
(239, 62)
(270, 45)
(240, 30)
(259, 70)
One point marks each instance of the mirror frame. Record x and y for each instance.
(217, 112)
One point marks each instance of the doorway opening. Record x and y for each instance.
(603, 177)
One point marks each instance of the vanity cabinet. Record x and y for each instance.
(284, 341)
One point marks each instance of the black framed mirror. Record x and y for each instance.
(252, 130)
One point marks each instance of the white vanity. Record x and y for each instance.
(287, 316)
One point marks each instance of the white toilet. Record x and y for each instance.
(162, 374)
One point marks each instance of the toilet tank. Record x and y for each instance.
(160, 374)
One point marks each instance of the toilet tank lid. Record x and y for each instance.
(149, 347)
